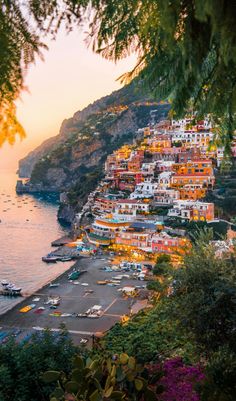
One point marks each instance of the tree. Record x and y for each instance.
(186, 48)
(163, 265)
(205, 290)
(21, 365)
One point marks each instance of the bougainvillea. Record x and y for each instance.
(178, 381)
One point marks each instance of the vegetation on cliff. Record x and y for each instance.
(81, 156)
(123, 103)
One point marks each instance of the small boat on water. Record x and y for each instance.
(10, 288)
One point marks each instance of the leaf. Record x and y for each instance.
(88, 362)
(138, 384)
(50, 376)
(94, 365)
(130, 377)
(107, 393)
(116, 395)
(149, 395)
(95, 396)
(97, 384)
(72, 387)
(108, 363)
(78, 362)
(131, 363)
(77, 375)
(113, 371)
(58, 393)
(124, 358)
(108, 382)
(120, 374)
(86, 372)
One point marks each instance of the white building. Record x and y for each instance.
(182, 123)
(192, 138)
(148, 167)
(164, 179)
(165, 197)
(128, 209)
(144, 190)
(192, 210)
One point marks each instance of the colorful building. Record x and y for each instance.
(203, 166)
(104, 229)
(131, 239)
(164, 243)
(180, 180)
(165, 197)
(103, 205)
(192, 210)
(129, 209)
(192, 192)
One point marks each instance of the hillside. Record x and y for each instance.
(127, 96)
(73, 160)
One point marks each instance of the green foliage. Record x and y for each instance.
(21, 365)
(152, 334)
(101, 378)
(86, 183)
(39, 173)
(163, 265)
(221, 376)
(155, 286)
(186, 49)
(205, 291)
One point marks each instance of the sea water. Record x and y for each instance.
(27, 228)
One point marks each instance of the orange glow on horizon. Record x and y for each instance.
(70, 78)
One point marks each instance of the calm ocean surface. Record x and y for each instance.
(27, 228)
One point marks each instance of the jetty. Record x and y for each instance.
(62, 241)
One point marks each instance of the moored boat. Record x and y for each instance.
(10, 288)
(49, 259)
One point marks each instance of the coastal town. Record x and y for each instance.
(164, 177)
(152, 190)
(117, 200)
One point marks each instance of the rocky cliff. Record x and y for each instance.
(72, 162)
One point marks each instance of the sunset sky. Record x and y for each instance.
(70, 77)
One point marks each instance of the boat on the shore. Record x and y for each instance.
(49, 259)
(65, 258)
(10, 288)
(75, 274)
(93, 313)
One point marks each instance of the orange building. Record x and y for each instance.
(103, 205)
(132, 239)
(192, 192)
(180, 180)
(134, 164)
(194, 167)
(158, 143)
